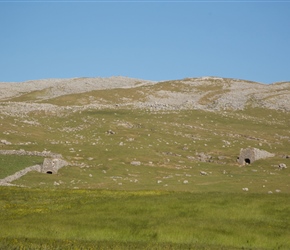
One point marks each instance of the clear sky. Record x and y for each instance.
(152, 40)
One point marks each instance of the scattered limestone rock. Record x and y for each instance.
(135, 163)
(5, 142)
(204, 157)
(35, 153)
(285, 156)
(282, 166)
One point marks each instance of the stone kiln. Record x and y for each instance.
(249, 155)
(52, 165)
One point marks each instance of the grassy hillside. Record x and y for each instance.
(102, 144)
(134, 176)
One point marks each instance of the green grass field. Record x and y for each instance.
(35, 218)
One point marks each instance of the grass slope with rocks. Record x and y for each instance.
(129, 135)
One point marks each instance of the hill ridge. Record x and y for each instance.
(205, 93)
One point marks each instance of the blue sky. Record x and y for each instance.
(152, 40)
